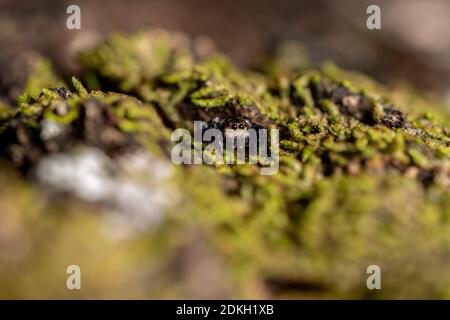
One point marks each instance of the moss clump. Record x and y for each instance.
(25, 72)
(127, 62)
(41, 77)
(327, 122)
(59, 119)
(362, 181)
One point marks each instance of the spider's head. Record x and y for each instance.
(236, 127)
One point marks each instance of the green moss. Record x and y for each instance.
(363, 178)
(42, 77)
(130, 61)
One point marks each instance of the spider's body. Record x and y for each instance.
(233, 128)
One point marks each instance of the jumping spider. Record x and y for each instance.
(233, 128)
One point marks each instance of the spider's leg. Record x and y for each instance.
(215, 123)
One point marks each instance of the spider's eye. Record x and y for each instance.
(241, 126)
(234, 127)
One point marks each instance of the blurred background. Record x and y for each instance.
(413, 44)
